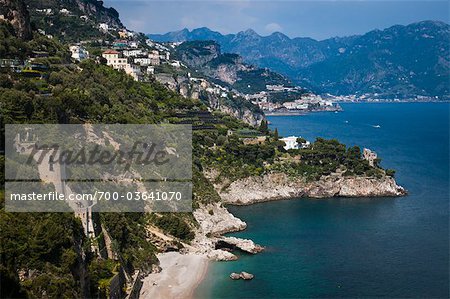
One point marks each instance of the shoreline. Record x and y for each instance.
(181, 274)
(179, 277)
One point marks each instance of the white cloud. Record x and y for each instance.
(273, 27)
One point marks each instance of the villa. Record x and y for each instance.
(291, 143)
(112, 59)
(78, 53)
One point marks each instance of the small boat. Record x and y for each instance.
(346, 121)
(377, 126)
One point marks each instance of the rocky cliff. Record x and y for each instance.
(279, 186)
(237, 107)
(15, 12)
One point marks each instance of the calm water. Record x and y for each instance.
(355, 247)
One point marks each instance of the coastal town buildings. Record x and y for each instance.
(143, 60)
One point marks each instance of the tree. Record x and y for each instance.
(275, 135)
(264, 128)
(390, 172)
(301, 140)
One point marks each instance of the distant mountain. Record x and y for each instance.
(400, 61)
(206, 58)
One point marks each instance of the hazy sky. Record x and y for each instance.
(316, 19)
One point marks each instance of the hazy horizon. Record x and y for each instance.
(316, 19)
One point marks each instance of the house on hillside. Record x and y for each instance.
(133, 52)
(113, 59)
(142, 60)
(291, 143)
(78, 53)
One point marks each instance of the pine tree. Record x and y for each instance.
(263, 128)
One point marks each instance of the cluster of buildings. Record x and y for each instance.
(127, 55)
(304, 102)
(279, 88)
(308, 102)
(376, 97)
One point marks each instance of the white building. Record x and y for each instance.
(291, 143)
(119, 63)
(79, 53)
(176, 63)
(154, 56)
(133, 53)
(134, 71)
(150, 70)
(143, 61)
(64, 12)
(165, 56)
(112, 59)
(133, 44)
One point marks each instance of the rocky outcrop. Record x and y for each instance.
(102, 14)
(221, 255)
(244, 111)
(243, 244)
(214, 220)
(197, 54)
(235, 276)
(275, 186)
(243, 275)
(244, 114)
(246, 276)
(15, 12)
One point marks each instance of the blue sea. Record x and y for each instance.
(354, 247)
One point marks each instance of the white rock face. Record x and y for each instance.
(279, 186)
(214, 220)
(246, 276)
(370, 187)
(243, 244)
(221, 255)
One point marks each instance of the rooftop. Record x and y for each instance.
(110, 52)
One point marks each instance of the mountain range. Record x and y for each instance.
(397, 62)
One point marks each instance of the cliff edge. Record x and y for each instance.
(276, 186)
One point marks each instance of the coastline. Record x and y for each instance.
(278, 186)
(180, 275)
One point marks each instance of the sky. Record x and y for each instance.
(295, 18)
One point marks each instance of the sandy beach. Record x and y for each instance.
(180, 275)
